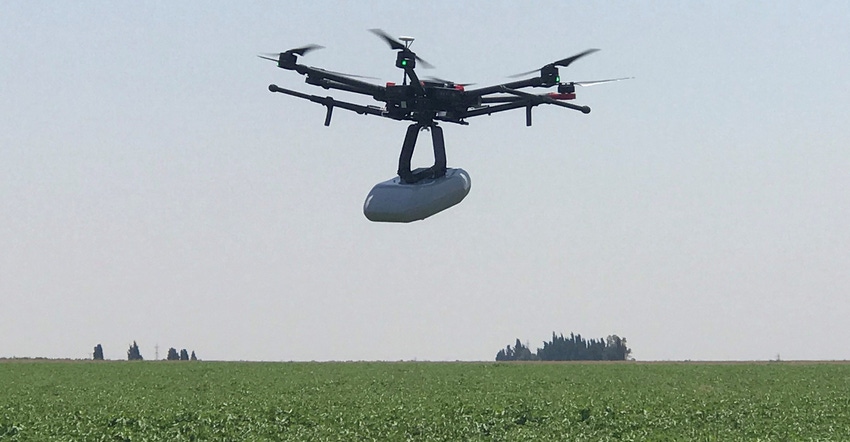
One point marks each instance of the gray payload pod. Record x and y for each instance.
(394, 201)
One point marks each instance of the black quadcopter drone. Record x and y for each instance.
(417, 194)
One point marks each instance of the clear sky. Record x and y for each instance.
(152, 189)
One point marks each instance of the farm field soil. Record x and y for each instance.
(360, 401)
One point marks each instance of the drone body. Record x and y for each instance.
(417, 194)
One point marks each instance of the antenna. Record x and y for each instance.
(407, 41)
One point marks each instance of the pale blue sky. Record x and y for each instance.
(152, 189)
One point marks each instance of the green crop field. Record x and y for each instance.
(231, 401)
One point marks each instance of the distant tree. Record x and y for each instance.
(520, 352)
(616, 349)
(98, 352)
(184, 355)
(595, 350)
(133, 353)
(193, 358)
(523, 353)
(172, 355)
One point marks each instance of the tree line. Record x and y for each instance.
(572, 348)
(134, 354)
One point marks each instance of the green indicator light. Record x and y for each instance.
(404, 62)
(557, 79)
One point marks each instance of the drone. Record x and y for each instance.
(426, 102)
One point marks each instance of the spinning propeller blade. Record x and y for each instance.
(567, 61)
(595, 82)
(560, 63)
(424, 63)
(394, 44)
(349, 75)
(448, 82)
(297, 51)
(305, 49)
(278, 57)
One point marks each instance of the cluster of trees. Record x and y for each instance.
(133, 354)
(183, 356)
(572, 348)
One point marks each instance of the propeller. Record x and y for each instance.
(595, 82)
(564, 62)
(448, 82)
(297, 51)
(394, 44)
(399, 46)
(348, 75)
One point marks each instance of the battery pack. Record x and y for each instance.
(394, 201)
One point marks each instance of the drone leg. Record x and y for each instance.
(407, 153)
(439, 168)
(528, 115)
(328, 115)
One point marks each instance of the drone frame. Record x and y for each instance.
(426, 103)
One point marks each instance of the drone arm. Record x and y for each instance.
(499, 108)
(531, 82)
(502, 99)
(323, 78)
(357, 89)
(415, 82)
(330, 103)
(522, 99)
(543, 99)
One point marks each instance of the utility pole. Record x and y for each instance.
(156, 352)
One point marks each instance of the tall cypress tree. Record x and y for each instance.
(133, 354)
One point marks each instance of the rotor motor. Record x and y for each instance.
(567, 88)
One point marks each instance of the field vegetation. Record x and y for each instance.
(234, 401)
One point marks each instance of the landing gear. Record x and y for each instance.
(437, 170)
